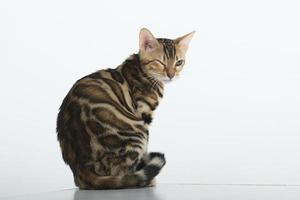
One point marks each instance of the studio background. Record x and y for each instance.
(232, 117)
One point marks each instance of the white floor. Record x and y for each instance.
(174, 192)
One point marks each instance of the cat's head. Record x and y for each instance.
(163, 58)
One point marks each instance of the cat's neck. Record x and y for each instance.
(135, 76)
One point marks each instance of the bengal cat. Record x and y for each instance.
(102, 125)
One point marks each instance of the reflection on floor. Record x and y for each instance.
(175, 192)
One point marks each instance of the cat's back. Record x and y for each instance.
(96, 104)
(104, 86)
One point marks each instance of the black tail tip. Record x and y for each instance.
(156, 162)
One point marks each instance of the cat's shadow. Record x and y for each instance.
(143, 194)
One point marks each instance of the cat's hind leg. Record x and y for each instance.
(150, 166)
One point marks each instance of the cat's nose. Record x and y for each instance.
(171, 75)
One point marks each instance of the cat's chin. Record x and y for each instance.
(167, 80)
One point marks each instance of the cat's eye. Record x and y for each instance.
(179, 62)
(163, 64)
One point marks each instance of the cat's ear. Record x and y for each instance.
(147, 41)
(184, 41)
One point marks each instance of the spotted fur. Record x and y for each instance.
(102, 125)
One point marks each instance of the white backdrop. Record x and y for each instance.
(232, 118)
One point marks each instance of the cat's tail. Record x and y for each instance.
(149, 167)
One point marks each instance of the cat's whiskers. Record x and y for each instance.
(153, 81)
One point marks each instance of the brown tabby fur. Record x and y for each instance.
(103, 121)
